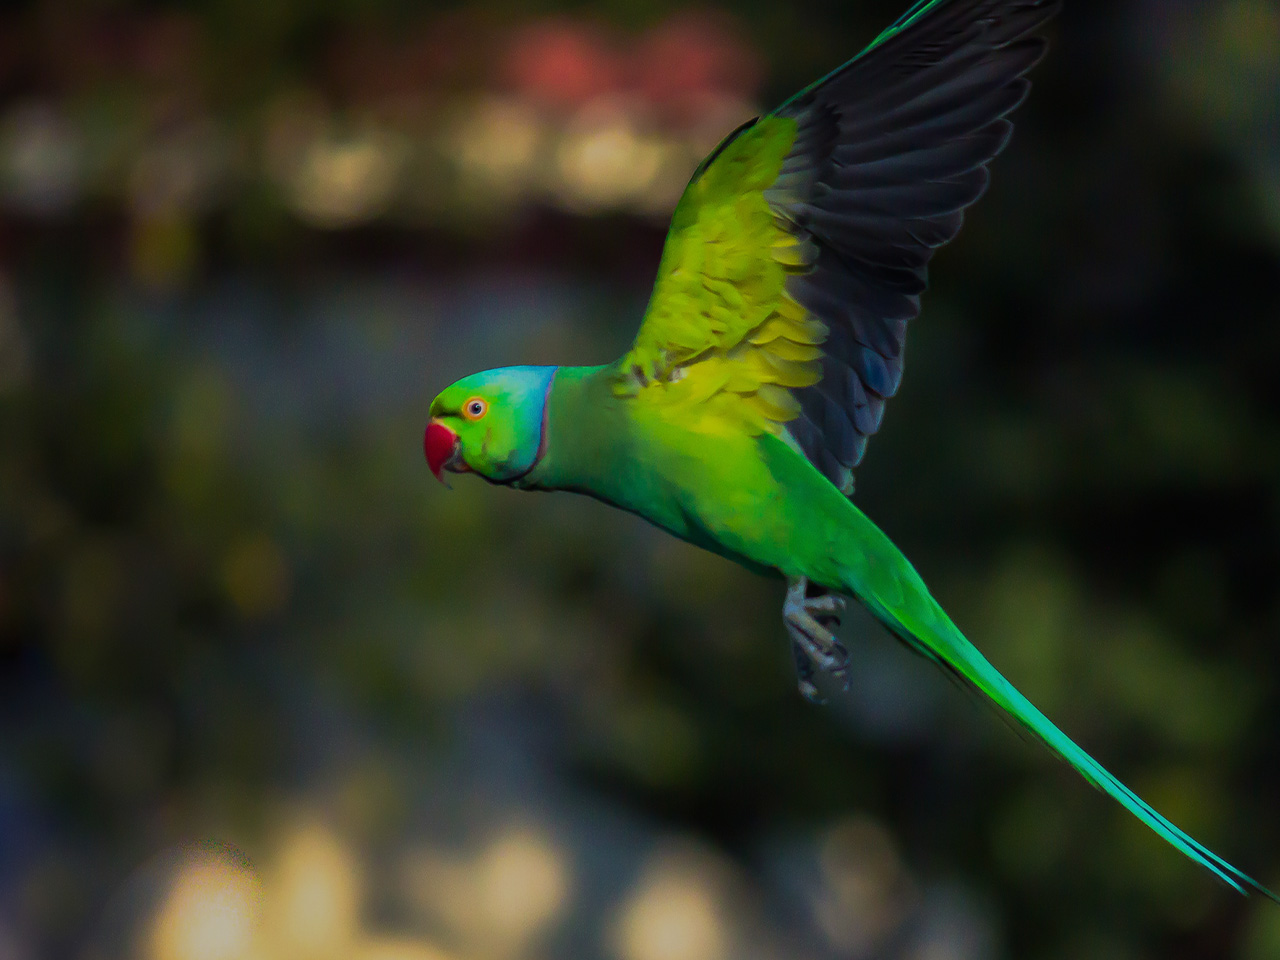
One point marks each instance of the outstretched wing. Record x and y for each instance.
(799, 251)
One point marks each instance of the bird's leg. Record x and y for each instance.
(809, 621)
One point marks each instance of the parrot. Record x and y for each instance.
(795, 259)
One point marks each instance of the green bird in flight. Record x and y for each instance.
(794, 262)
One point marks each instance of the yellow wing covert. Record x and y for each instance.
(720, 326)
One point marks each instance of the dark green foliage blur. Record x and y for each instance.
(242, 245)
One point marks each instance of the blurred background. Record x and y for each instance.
(268, 692)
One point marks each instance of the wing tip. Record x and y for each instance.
(922, 14)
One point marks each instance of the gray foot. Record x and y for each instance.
(809, 621)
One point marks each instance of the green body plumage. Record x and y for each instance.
(774, 337)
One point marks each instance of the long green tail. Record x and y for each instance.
(884, 580)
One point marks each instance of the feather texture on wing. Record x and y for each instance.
(798, 253)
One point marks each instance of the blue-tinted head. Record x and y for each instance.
(490, 423)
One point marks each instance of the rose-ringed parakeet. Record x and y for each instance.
(795, 260)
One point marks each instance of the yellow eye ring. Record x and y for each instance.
(475, 408)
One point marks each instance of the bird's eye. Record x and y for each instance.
(475, 408)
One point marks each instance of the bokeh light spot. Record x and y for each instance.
(673, 914)
(210, 913)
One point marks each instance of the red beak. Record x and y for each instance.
(440, 444)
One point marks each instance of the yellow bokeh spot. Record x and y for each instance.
(344, 181)
(523, 882)
(605, 160)
(498, 901)
(398, 949)
(497, 141)
(210, 913)
(313, 899)
(674, 914)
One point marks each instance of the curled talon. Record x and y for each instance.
(804, 675)
(809, 621)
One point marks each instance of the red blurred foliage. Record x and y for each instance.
(563, 63)
(560, 62)
(676, 67)
(691, 57)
